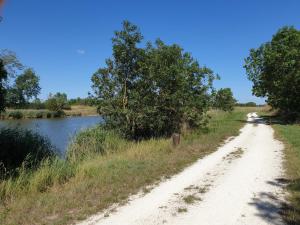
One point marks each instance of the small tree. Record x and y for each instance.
(27, 86)
(57, 102)
(224, 99)
(274, 69)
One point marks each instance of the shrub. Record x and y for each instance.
(57, 102)
(39, 115)
(92, 141)
(23, 148)
(16, 115)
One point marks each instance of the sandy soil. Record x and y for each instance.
(240, 183)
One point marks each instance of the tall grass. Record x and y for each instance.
(29, 114)
(60, 192)
(290, 135)
(93, 141)
(22, 148)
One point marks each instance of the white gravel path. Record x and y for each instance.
(237, 184)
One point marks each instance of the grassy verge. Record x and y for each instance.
(290, 135)
(61, 192)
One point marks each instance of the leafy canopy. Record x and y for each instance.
(57, 102)
(274, 69)
(151, 91)
(224, 99)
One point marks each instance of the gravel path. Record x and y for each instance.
(237, 184)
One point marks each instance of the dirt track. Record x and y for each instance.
(237, 184)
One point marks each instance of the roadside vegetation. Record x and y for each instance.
(290, 135)
(102, 169)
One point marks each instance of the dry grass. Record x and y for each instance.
(191, 199)
(290, 135)
(82, 110)
(62, 192)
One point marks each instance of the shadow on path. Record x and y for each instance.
(273, 208)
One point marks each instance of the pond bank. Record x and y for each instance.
(75, 111)
(59, 130)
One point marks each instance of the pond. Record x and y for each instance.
(59, 131)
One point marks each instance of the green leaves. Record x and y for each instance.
(274, 69)
(224, 100)
(57, 102)
(152, 91)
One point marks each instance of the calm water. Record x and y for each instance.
(59, 131)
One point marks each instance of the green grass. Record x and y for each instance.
(29, 114)
(290, 135)
(78, 110)
(62, 192)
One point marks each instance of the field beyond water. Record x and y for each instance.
(61, 192)
(76, 110)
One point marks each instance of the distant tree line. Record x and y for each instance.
(89, 101)
(20, 87)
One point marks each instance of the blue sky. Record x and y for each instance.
(66, 41)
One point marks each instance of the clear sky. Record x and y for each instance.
(66, 41)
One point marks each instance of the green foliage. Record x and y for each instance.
(19, 88)
(22, 148)
(27, 84)
(37, 104)
(57, 102)
(11, 63)
(61, 187)
(224, 100)
(152, 91)
(15, 115)
(3, 78)
(247, 104)
(26, 87)
(274, 69)
(90, 101)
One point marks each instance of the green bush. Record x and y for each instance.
(39, 115)
(16, 115)
(22, 148)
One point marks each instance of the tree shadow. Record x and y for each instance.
(275, 119)
(274, 209)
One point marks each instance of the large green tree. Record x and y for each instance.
(151, 91)
(9, 66)
(27, 84)
(274, 69)
(26, 87)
